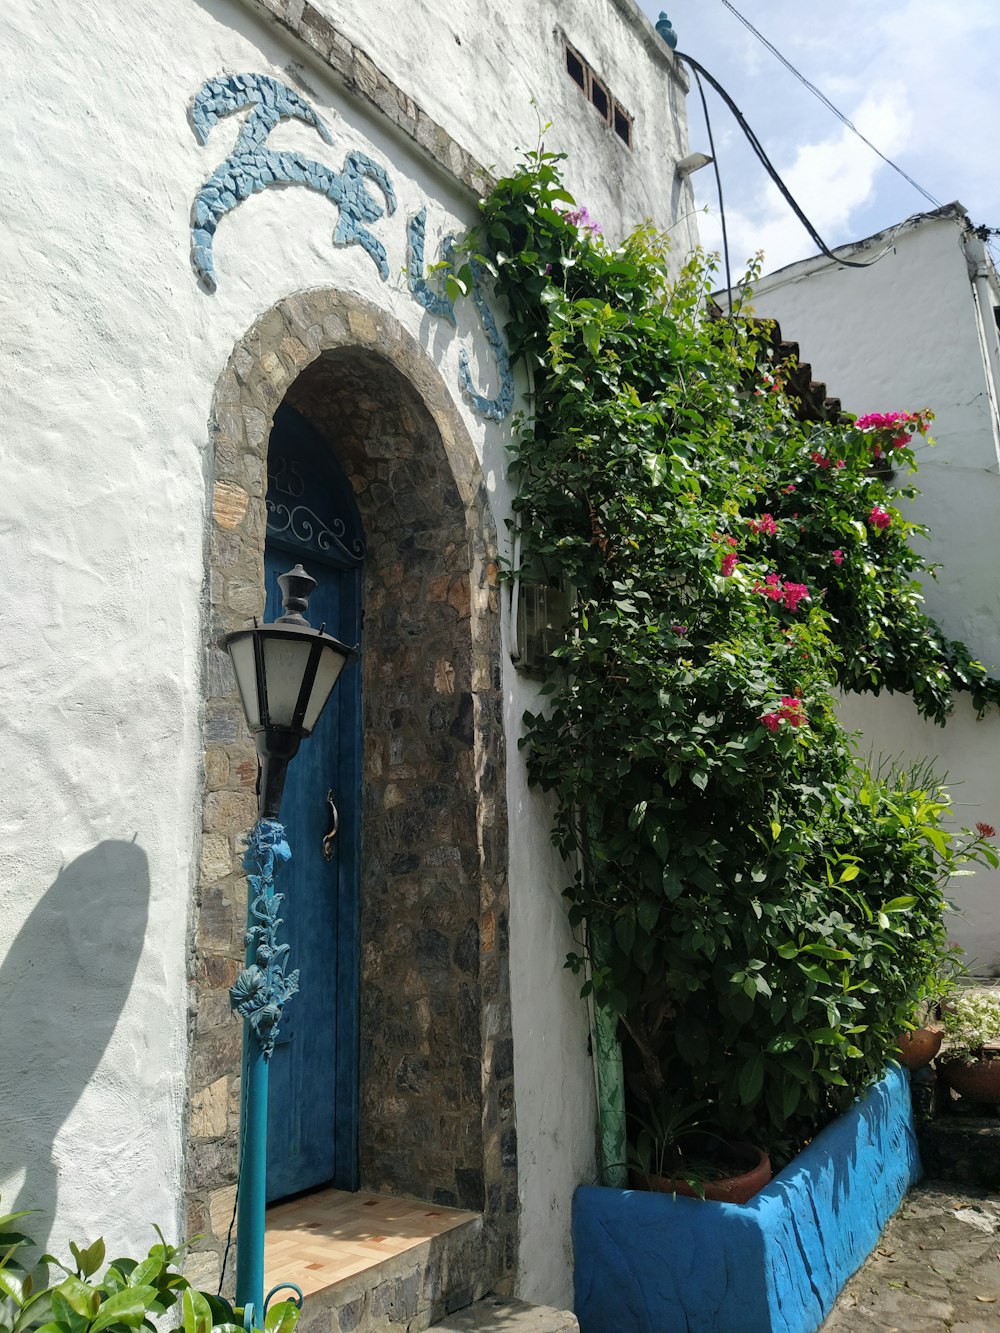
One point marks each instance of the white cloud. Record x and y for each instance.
(919, 78)
(832, 180)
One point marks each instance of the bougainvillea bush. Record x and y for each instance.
(761, 911)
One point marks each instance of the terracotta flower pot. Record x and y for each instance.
(978, 1082)
(752, 1171)
(919, 1047)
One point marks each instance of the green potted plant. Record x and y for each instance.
(923, 1034)
(971, 1062)
(675, 1153)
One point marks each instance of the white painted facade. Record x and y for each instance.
(917, 329)
(111, 355)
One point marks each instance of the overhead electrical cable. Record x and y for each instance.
(718, 186)
(768, 166)
(827, 103)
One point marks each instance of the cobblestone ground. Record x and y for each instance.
(936, 1268)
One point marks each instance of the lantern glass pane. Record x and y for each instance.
(330, 666)
(241, 653)
(285, 661)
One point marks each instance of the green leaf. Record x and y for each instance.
(79, 1296)
(815, 972)
(661, 842)
(13, 1286)
(196, 1313)
(625, 930)
(648, 914)
(751, 1079)
(281, 1317)
(128, 1307)
(88, 1261)
(849, 873)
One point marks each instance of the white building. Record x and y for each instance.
(216, 209)
(918, 328)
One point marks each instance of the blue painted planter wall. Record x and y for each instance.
(652, 1263)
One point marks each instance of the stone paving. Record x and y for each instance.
(936, 1268)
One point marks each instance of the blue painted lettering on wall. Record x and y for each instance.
(438, 303)
(252, 167)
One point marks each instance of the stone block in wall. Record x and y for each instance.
(210, 1110)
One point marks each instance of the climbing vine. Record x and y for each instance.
(761, 911)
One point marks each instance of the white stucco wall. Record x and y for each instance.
(107, 371)
(904, 334)
(493, 73)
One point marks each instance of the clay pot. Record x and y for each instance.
(752, 1171)
(978, 1082)
(919, 1047)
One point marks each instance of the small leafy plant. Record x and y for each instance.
(660, 1140)
(971, 1021)
(150, 1293)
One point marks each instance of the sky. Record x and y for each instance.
(920, 78)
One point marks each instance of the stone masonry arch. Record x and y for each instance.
(437, 1100)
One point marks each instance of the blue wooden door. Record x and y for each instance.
(313, 1105)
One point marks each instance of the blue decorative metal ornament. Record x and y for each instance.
(666, 30)
(262, 988)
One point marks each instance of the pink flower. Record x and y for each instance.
(679, 629)
(776, 591)
(840, 463)
(880, 420)
(879, 518)
(838, 556)
(579, 217)
(764, 524)
(771, 587)
(791, 711)
(729, 563)
(819, 459)
(789, 488)
(793, 594)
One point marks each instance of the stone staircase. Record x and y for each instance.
(500, 1314)
(960, 1141)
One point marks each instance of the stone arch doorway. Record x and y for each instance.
(435, 1094)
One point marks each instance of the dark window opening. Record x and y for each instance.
(623, 124)
(599, 96)
(576, 69)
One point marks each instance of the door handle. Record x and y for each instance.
(328, 848)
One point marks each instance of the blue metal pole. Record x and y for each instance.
(251, 1196)
(258, 995)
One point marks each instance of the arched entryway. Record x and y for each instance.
(434, 1080)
